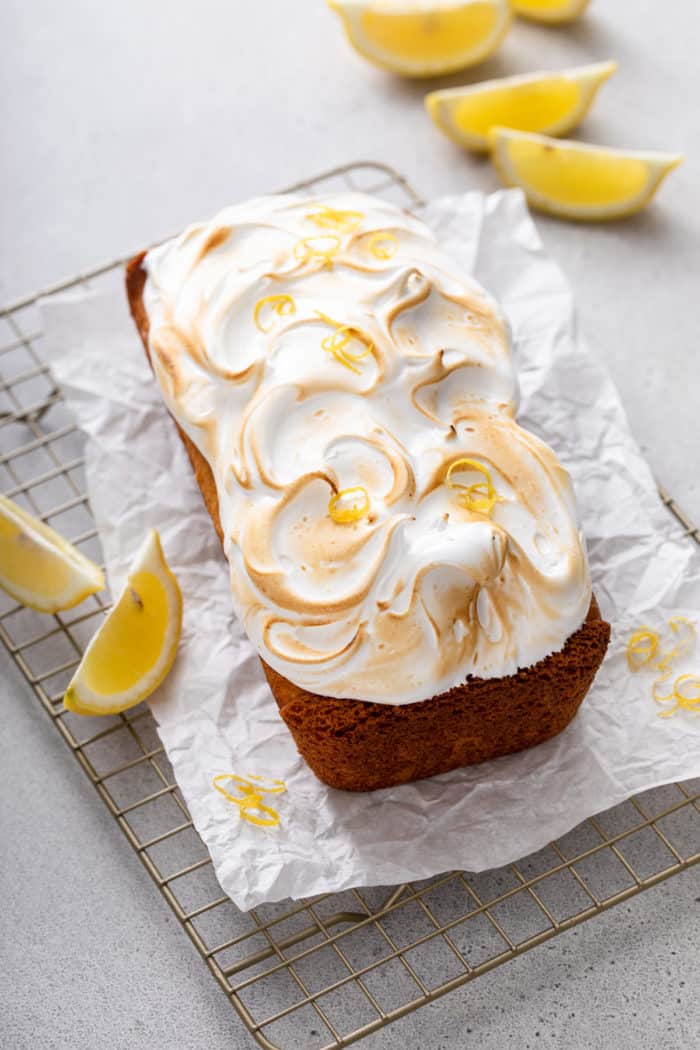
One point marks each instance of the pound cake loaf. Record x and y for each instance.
(405, 557)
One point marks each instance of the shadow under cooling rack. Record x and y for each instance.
(324, 971)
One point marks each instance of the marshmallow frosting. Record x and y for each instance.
(312, 345)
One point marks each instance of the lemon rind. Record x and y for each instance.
(555, 18)
(349, 10)
(659, 165)
(59, 604)
(81, 700)
(89, 578)
(589, 77)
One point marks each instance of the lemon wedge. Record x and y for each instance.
(38, 567)
(574, 180)
(423, 38)
(136, 645)
(550, 103)
(552, 11)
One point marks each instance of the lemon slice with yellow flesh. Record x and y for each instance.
(574, 180)
(552, 11)
(549, 103)
(38, 567)
(136, 645)
(423, 38)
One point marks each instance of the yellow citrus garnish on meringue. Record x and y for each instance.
(136, 644)
(333, 219)
(423, 38)
(322, 248)
(552, 11)
(250, 801)
(349, 505)
(282, 305)
(383, 245)
(574, 180)
(547, 103)
(481, 496)
(338, 342)
(40, 569)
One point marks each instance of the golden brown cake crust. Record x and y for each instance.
(359, 745)
(135, 280)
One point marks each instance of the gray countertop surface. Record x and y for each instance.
(121, 123)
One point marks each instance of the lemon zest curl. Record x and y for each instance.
(333, 219)
(383, 245)
(642, 652)
(692, 681)
(321, 248)
(338, 341)
(282, 305)
(479, 497)
(642, 647)
(344, 515)
(251, 797)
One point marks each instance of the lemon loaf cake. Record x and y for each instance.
(405, 557)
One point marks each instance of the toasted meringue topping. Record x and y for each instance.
(390, 528)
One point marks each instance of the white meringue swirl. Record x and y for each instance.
(424, 590)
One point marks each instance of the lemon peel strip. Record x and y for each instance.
(642, 650)
(338, 341)
(356, 510)
(642, 647)
(334, 219)
(481, 496)
(685, 644)
(323, 247)
(282, 305)
(684, 702)
(251, 797)
(661, 680)
(690, 702)
(383, 245)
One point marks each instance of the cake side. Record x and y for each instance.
(358, 745)
(135, 281)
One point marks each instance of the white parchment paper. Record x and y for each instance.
(215, 713)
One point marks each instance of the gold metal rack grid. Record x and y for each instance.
(324, 971)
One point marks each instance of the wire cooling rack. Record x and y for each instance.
(324, 971)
